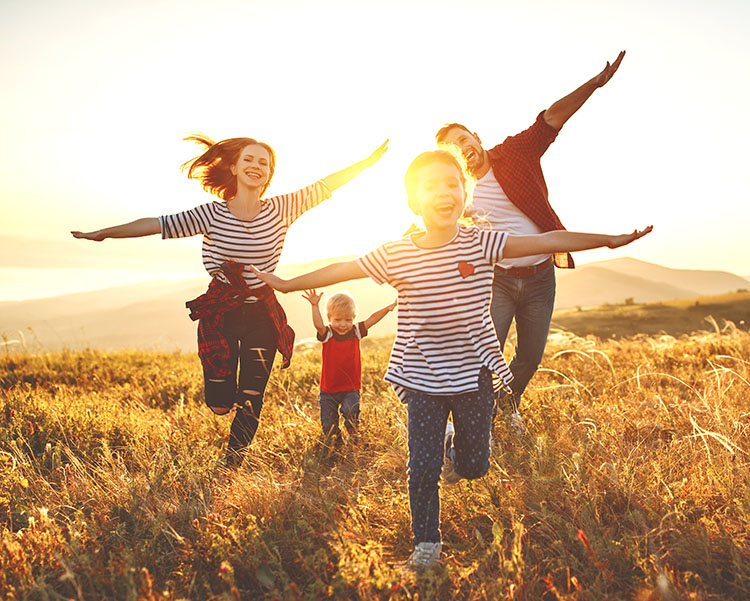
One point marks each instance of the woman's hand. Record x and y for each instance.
(623, 239)
(375, 156)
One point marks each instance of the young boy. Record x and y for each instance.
(341, 373)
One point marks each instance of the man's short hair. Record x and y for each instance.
(442, 133)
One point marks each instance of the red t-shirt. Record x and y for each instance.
(342, 365)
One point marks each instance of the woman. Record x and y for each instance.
(240, 319)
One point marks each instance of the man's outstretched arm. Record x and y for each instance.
(562, 110)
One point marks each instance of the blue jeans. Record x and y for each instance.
(330, 404)
(428, 414)
(530, 300)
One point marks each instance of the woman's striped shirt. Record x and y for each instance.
(445, 332)
(227, 238)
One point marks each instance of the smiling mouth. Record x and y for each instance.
(444, 210)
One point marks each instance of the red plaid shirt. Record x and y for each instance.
(220, 298)
(517, 168)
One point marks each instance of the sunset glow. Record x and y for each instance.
(98, 98)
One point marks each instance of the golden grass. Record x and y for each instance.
(632, 483)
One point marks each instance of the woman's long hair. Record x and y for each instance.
(213, 168)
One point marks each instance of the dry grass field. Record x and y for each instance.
(632, 482)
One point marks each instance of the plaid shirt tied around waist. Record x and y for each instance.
(220, 298)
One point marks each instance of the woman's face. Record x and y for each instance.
(252, 168)
(439, 195)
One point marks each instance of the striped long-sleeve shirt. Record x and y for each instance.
(227, 238)
(445, 332)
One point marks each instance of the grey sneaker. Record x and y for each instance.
(515, 423)
(449, 474)
(425, 555)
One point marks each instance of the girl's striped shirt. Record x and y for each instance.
(445, 332)
(227, 238)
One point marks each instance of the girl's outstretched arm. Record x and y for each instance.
(563, 241)
(134, 229)
(325, 276)
(338, 179)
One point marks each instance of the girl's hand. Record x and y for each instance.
(622, 240)
(375, 156)
(96, 236)
(272, 280)
(312, 296)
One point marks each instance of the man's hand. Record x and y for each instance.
(622, 240)
(608, 71)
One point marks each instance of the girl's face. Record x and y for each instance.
(252, 168)
(439, 195)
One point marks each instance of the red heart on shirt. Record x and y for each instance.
(466, 269)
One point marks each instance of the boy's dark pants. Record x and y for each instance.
(330, 404)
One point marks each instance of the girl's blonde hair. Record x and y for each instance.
(340, 302)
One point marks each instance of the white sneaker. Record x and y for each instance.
(515, 423)
(448, 473)
(424, 556)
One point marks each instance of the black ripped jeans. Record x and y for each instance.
(252, 342)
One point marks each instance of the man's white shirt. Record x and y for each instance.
(492, 204)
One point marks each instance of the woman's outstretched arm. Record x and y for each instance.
(563, 241)
(338, 179)
(135, 229)
(325, 276)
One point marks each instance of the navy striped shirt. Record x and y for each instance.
(227, 238)
(445, 332)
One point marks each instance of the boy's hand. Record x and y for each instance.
(622, 240)
(312, 296)
(272, 280)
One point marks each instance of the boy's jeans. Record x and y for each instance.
(330, 403)
(530, 300)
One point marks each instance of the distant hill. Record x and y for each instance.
(684, 282)
(674, 317)
(153, 315)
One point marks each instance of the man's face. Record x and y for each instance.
(470, 147)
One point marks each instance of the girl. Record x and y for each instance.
(240, 319)
(446, 349)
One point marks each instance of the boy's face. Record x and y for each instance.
(341, 321)
(439, 195)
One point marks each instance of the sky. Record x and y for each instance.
(97, 97)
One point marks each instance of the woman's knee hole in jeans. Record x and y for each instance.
(217, 409)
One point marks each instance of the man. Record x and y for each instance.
(511, 195)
